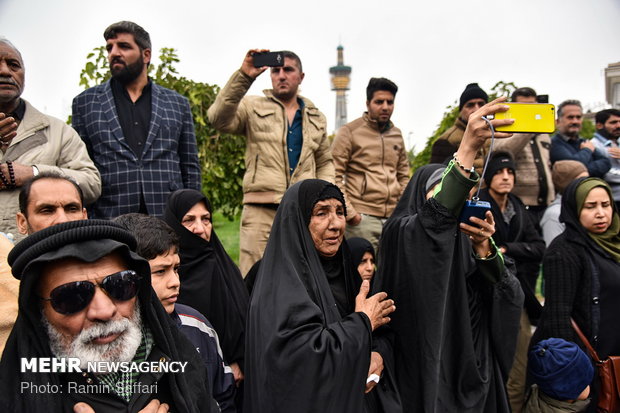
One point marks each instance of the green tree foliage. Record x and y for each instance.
(221, 155)
(587, 129)
(449, 117)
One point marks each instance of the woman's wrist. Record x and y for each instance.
(465, 157)
(467, 168)
(483, 250)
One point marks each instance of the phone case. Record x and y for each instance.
(271, 59)
(529, 118)
(476, 209)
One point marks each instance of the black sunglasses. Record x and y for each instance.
(73, 297)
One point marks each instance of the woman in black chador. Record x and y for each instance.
(210, 281)
(458, 307)
(362, 257)
(309, 346)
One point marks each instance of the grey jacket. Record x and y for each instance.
(550, 221)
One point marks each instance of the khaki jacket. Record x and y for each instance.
(533, 166)
(262, 120)
(372, 168)
(51, 145)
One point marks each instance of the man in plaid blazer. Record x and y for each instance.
(140, 135)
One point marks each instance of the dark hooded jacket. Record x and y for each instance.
(210, 281)
(302, 353)
(89, 241)
(456, 318)
(523, 244)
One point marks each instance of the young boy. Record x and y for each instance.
(158, 243)
(562, 375)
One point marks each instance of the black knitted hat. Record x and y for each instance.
(86, 240)
(498, 161)
(472, 91)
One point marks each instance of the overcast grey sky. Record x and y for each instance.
(431, 49)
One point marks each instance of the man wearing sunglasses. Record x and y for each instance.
(85, 294)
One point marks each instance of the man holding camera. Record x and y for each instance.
(286, 143)
(530, 152)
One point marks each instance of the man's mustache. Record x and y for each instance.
(8, 80)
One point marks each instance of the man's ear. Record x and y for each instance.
(22, 223)
(146, 56)
(84, 213)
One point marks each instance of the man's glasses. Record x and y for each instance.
(73, 297)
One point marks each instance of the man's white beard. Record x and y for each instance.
(81, 346)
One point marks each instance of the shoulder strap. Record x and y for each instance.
(595, 291)
(585, 341)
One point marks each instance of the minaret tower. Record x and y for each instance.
(340, 83)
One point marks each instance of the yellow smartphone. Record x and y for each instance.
(529, 118)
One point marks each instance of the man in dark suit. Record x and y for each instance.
(140, 135)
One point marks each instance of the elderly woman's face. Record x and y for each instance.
(327, 225)
(597, 211)
(198, 221)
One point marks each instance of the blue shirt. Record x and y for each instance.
(295, 138)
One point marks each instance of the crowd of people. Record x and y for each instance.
(359, 288)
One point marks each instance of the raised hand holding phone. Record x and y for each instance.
(247, 66)
(478, 131)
